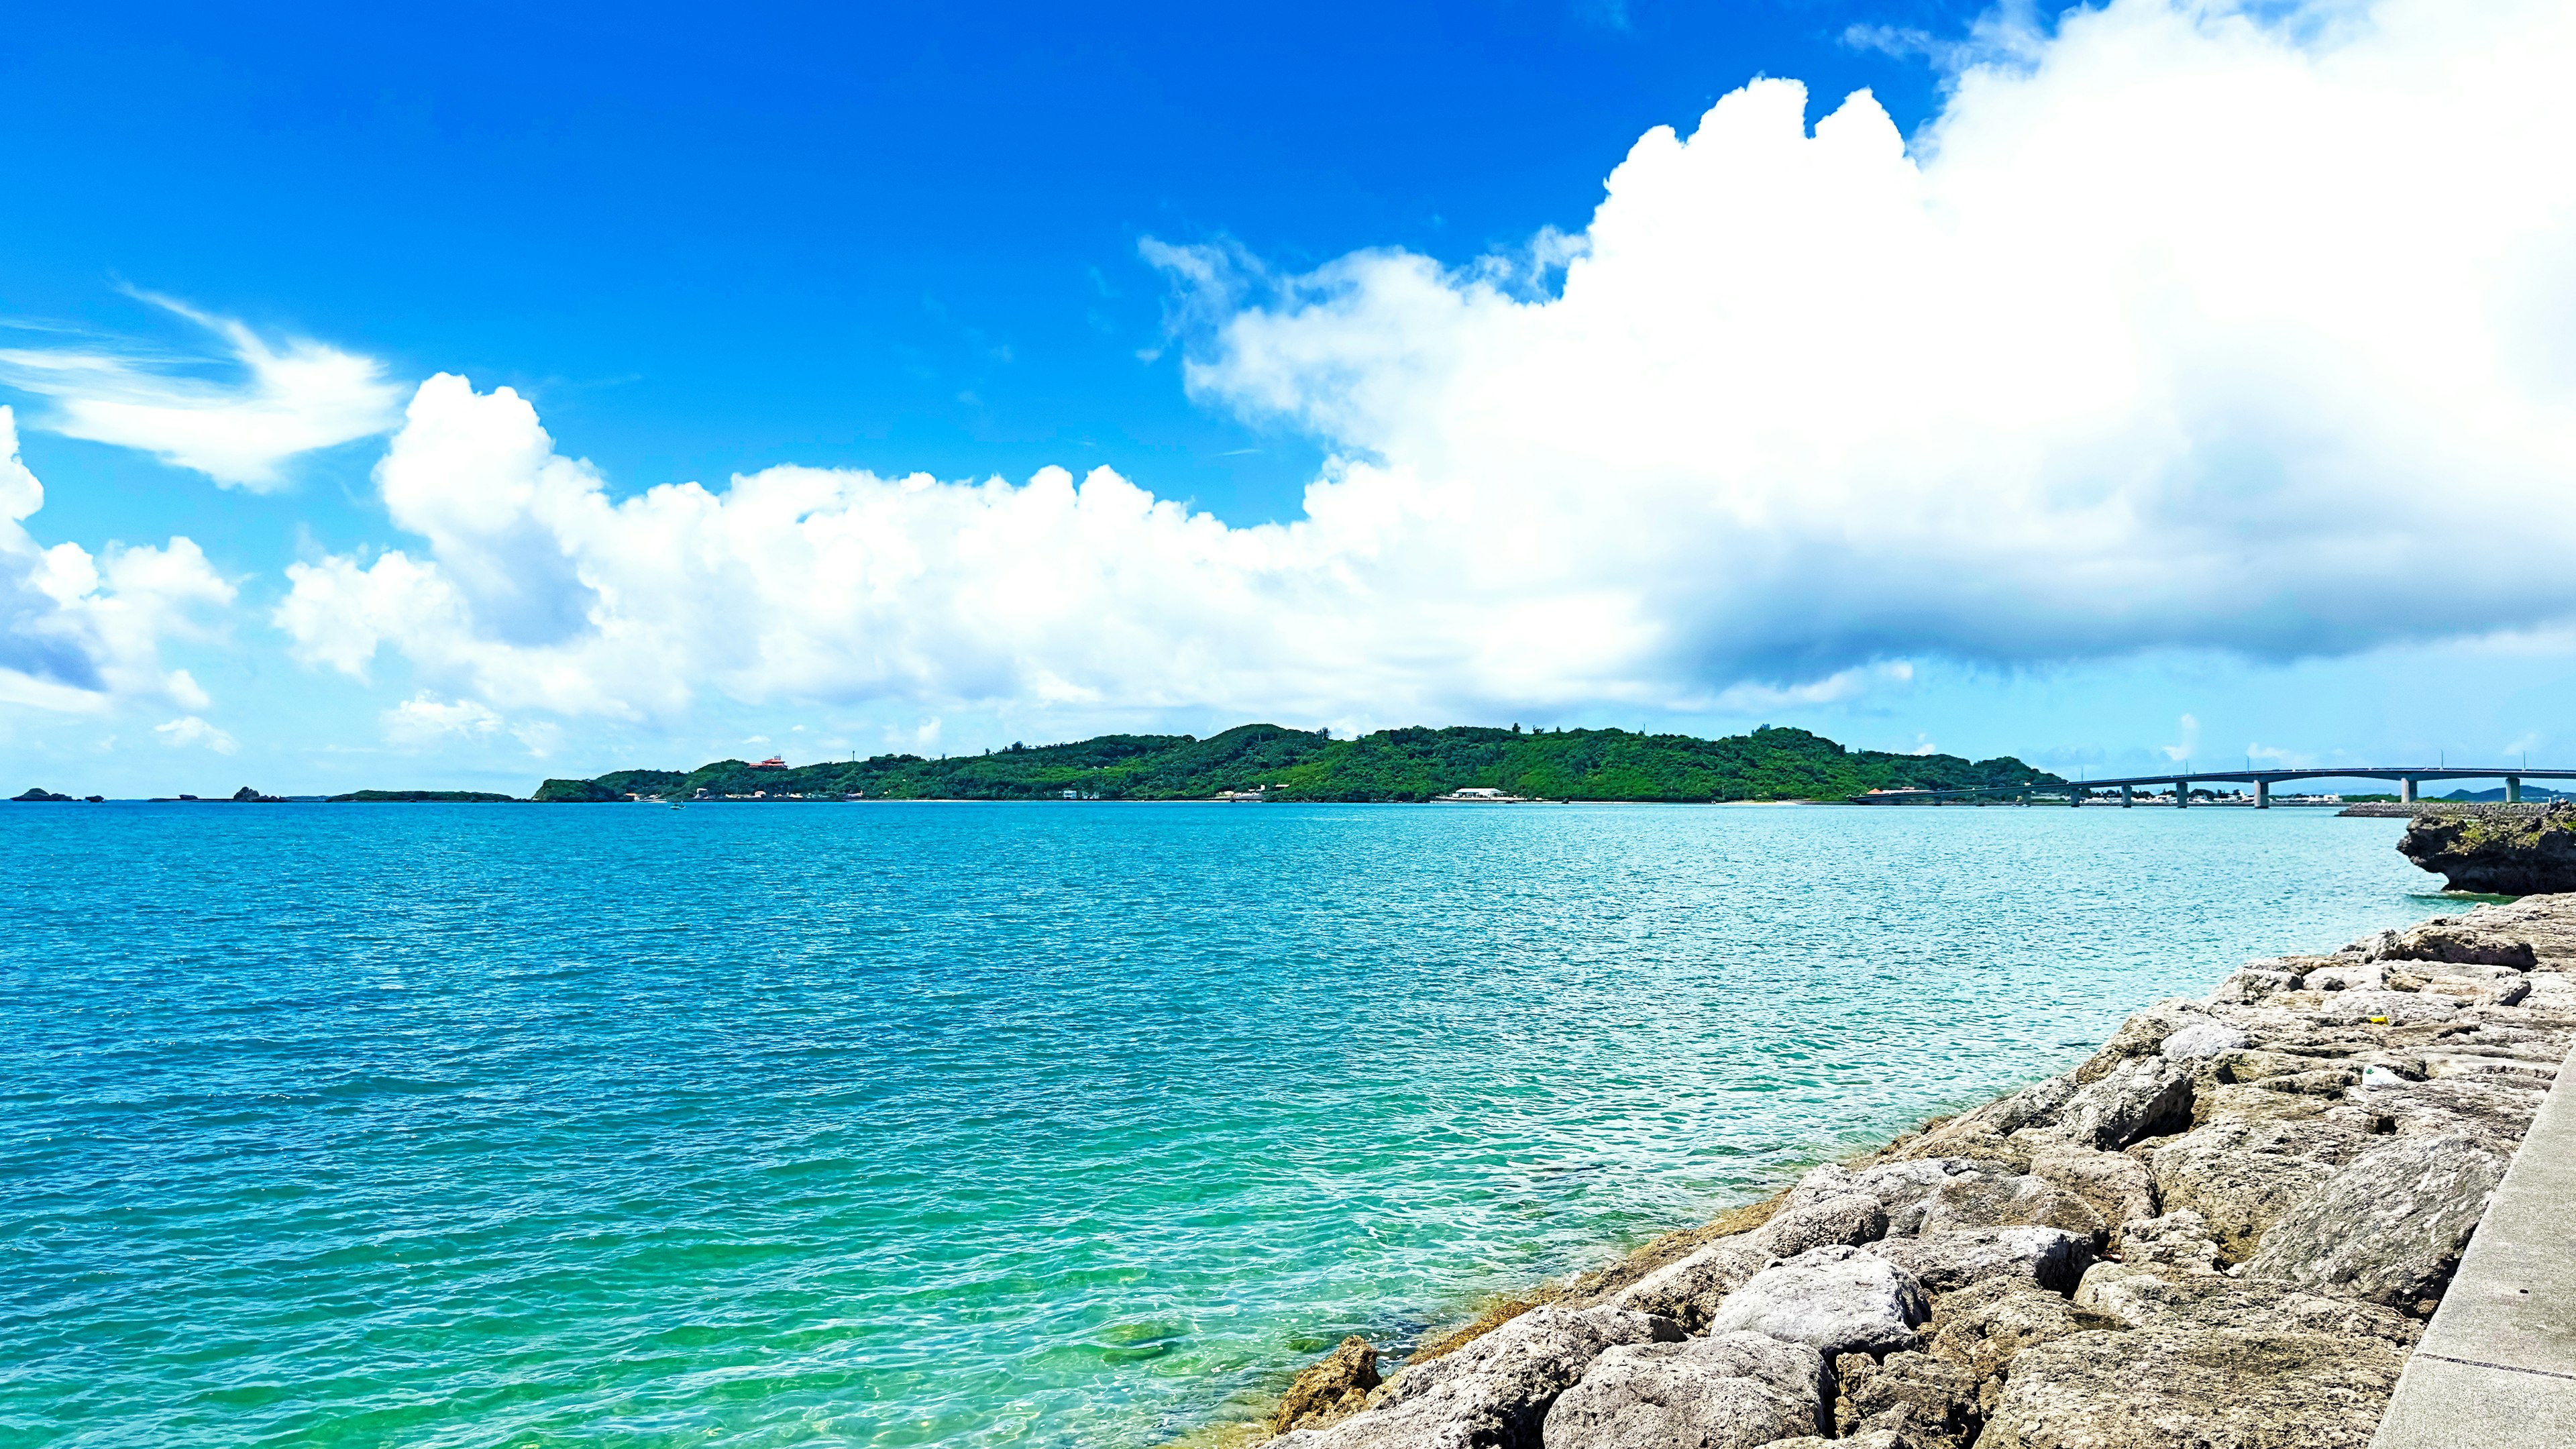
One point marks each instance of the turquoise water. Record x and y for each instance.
(1047, 1125)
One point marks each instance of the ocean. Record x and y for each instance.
(907, 1124)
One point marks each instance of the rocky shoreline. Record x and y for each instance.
(2225, 1228)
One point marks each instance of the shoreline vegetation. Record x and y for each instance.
(1267, 762)
(2227, 1226)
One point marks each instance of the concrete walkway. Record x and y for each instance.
(2497, 1368)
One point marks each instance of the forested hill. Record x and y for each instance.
(1405, 764)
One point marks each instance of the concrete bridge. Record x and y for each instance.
(2408, 777)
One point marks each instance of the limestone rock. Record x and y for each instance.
(2144, 1097)
(1982, 1328)
(2241, 1176)
(2038, 1102)
(2156, 1296)
(2179, 1239)
(1688, 1291)
(2496, 1108)
(2253, 983)
(1495, 1392)
(1940, 1194)
(1728, 1391)
(2348, 976)
(1926, 1399)
(1948, 1261)
(1873, 1439)
(1843, 1220)
(2140, 1036)
(2388, 1228)
(2115, 1185)
(2447, 938)
(1834, 1300)
(2194, 1389)
(1330, 1390)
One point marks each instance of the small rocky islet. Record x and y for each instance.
(2225, 1228)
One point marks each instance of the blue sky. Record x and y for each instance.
(1226, 256)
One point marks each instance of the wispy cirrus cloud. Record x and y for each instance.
(282, 397)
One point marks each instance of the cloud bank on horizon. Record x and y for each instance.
(2178, 326)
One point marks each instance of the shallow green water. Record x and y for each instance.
(1050, 1125)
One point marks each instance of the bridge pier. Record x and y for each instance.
(2513, 789)
(2406, 790)
(2075, 795)
(2262, 794)
(2125, 801)
(2182, 794)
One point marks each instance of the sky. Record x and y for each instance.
(459, 401)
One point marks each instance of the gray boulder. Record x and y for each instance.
(2202, 1039)
(2449, 939)
(2142, 1097)
(1947, 1262)
(2390, 1227)
(1833, 1300)
(2194, 1389)
(1727, 1391)
(1495, 1392)
(1843, 1220)
(1688, 1291)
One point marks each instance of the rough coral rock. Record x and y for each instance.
(2178, 1239)
(1948, 1261)
(2142, 1097)
(2254, 983)
(1984, 1327)
(1727, 1391)
(1843, 1220)
(2450, 939)
(2496, 855)
(2388, 1228)
(1330, 1390)
(1937, 1194)
(2160, 1296)
(1834, 1300)
(2241, 1175)
(1931, 1401)
(1495, 1392)
(2115, 1185)
(1689, 1290)
(2202, 1039)
(2194, 1389)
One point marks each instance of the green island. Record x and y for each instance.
(1389, 766)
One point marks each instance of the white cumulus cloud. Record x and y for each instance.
(2183, 325)
(292, 396)
(80, 633)
(188, 731)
